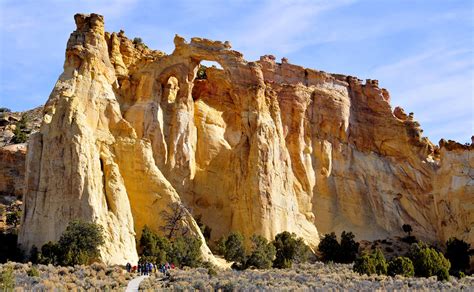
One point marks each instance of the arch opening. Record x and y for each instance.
(205, 69)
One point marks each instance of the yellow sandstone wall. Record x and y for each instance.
(257, 147)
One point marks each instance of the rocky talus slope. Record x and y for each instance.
(256, 147)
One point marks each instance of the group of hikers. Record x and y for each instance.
(146, 268)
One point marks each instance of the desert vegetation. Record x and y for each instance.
(201, 73)
(78, 245)
(458, 252)
(178, 246)
(20, 135)
(285, 263)
(422, 260)
(40, 277)
(282, 252)
(307, 276)
(333, 251)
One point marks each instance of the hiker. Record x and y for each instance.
(139, 268)
(128, 266)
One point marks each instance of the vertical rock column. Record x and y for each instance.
(71, 172)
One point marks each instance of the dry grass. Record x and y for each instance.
(94, 277)
(306, 277)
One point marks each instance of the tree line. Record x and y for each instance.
(81, 241)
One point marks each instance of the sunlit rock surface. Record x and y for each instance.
(256, 147)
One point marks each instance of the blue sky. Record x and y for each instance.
(421, 51)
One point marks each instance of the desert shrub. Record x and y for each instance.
(219, 247)
(407, 229)
(364, 265)
(185, 252)
(153, 248)
(459, 274)
(182, 250)
(19, 135)
(329, 247)
(302, 252)
(211, 268)
(34, 255)
(50, 254)
(429, 262)
(225, 286)
(137, 40)
(80, 242)
(33, 272)
(234, 248)
(442, 275)
(380, 263)
(288, 249)
(457, 252)
(371, 264)
(401, 266)
(206, 230)
(201, 73)
(7, 279)
(22, 122)
(348, 248)
(409, 238)
(5, 110)
(13, 218)
(262, 253)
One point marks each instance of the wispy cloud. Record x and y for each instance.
(438, 85)
(279, 26)
(422, 53)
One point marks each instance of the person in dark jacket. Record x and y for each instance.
(128, 266)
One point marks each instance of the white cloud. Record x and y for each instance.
(438, 86)
(433, 77)
(279, 26)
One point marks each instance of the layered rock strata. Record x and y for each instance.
(255, 147)
(12, 170)
(12, 156)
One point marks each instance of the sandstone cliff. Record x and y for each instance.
(12, 170)
(259, 147)
(12, 156)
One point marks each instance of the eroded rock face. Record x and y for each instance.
(12, 156)
(256, 147)
(12, 170)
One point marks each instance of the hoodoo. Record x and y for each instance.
(256, 147)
